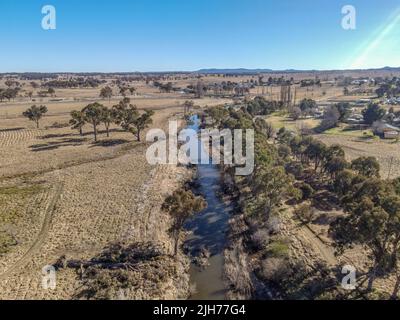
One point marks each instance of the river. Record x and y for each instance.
(209, 229)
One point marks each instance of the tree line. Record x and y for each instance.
(123, 114)
(294, 167)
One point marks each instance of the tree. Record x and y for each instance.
(218, 114)
(307, 105)
(181, 205)
(199, 89)
(376, 220)
(270, 186)
(295, 113)
(125, 114)
(106, 93)
(143, 121)
(107, 117)
(373, 113)
(335, 165)
(331, 118)
(187, 105)
(316, 152)
(367, 166)
(35, 113)
(132, 90)
(343, 182)
(77, 120)
(344, 110)
(122, 91)
(51, 92)
(265, 128)
(93, 114)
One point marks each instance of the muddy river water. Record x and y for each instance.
(208, 230)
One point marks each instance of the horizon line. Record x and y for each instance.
(261, 70)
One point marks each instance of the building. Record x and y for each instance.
(386, 130)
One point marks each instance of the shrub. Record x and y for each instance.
(284, 151)
(307, 191)
(260, 239)
(295, 169)
(274, 225)
(305, 212)
(278, 249)
(274, 269)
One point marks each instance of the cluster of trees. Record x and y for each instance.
(80, 82)
(373, 113)
(274, 81)
(164, 87)
(45, 93)
(124, 114)
(310, 83)
(123, 90)
(335, 114)
(261, 106)
(270, 183)
(305, 108)
(198, 89)
(390, 88)
(107, 92)
(372, 205)
(283, 171)
(9, 93)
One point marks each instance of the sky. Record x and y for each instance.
(187, 35)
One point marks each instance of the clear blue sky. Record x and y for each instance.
(150, 35)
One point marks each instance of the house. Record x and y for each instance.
(386, 130)
(391, 134)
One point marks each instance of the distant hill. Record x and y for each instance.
(243, 71)
(233, 71)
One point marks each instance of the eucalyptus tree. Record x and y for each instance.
(106, 93)
(93, 115)
(125, 114)
(107, 117)
(35, 113)
(77, 120)
(181, 205)
(143, 122)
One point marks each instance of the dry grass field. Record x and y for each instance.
(62, 194)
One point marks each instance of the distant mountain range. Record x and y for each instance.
(233, 71)
(243, 71)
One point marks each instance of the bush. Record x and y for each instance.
(284, 151)
(278, 249)
(295, 169)
(274, 225)
(306, 213)
(307, 191)
(274, 269)
(6, 242)
(260, 239)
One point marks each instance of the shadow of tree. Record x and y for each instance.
(109, 143)
(52, 145)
